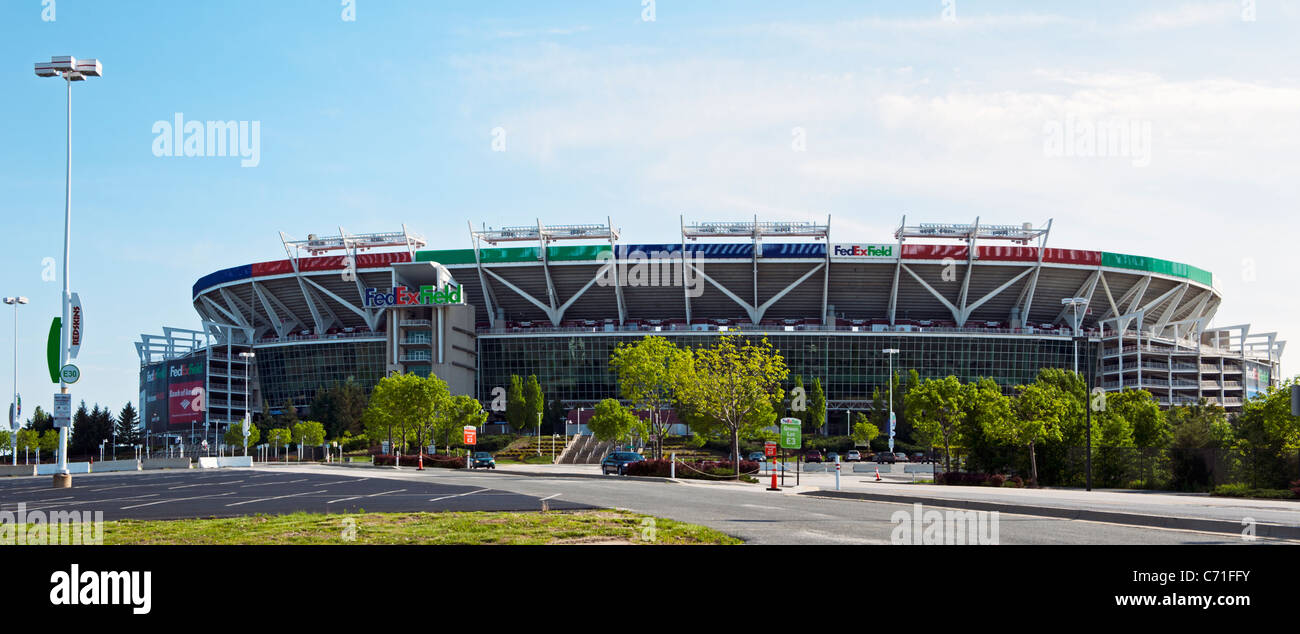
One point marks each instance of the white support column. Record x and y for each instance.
(482, 282)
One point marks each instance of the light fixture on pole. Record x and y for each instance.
(890, 352)
(70, 69)
(15, 408)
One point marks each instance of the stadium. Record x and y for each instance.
(971, 300)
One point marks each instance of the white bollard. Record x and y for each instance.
(672, 468)
(837, 473)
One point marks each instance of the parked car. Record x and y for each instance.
(832, 456)
(617, 462)
(482, 460)
(853, 456)
(901, 457)
(886, 457)
(814, 455)
(756, 456)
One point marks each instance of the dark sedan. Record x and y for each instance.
(617, 462)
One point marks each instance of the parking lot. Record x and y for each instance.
(187, 494)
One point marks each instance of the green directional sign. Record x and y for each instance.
(52, 348)
(791, 429)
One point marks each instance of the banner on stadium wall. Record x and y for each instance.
(153, 397)
(427, 295)
(186, 392)
(865, 251)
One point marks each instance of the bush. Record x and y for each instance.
(1017, 482)
(1242, 490)
(997, 480)
(440, 461)
(958, 478)
(1295, 488)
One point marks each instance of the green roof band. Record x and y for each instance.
(1155, 265)
(500, 255)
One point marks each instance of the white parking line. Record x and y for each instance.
(355, 497)
(197, 497)
(93, 502)
(549, 497)
(264, 484)
(203, 484)
(458, 495)
(358, 497)
(69, 497)
(278, 497)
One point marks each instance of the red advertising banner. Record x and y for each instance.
(471, 436)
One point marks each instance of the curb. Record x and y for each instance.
(1276, 531)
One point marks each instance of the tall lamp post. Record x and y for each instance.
(15, 411)
(248, 406)
(1077, 305)
(890, 352)
(70, 69)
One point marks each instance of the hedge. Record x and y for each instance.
(438, 460)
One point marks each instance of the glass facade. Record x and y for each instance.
(296, 372)
(576, 368)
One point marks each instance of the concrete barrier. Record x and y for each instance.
(918, 468)
(214, 462)
(53, 468)
(18, 470)
(115, 465)
(166, 463)
(814, 467)
(870, 467)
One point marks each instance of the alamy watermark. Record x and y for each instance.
(932, 527)
(57, 528)
(656, 268)
(209, 138)
(1107, 138)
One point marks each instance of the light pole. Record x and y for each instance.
(890, 352)
(71, 70)
(1077, 306)
(15, 410)
(248, 406)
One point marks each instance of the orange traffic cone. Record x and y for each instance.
(877, 474)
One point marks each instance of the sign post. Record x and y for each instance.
(769, 452)
(791, 438)
(470, 439)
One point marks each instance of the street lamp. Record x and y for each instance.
(70, 69)
(890, 352)
(248, 407)
(15, 412)
(1077, 305)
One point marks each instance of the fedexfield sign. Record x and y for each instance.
(864, 250)
(427, 296)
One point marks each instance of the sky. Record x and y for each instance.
(374, 113)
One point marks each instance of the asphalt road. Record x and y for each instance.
(232, 492)
(745, 511)
(762, 517)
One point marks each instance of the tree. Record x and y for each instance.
(84, 439)
(534, 402)
(288, 415)
(407, 404)
(517, 404)
(937, 408)
(864, 429)
(731, 387)
(48, 441)
(339, 407)
(1142, 412)
(647, 372)
(461, 411)
(610, 421)
(1203, 425)
(40, 420)
(1268, 436)
(235, 435)
(28, 441)
(1041, 409)
(816, 418)
(279, 437)
(128, 425)
(308, 433)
